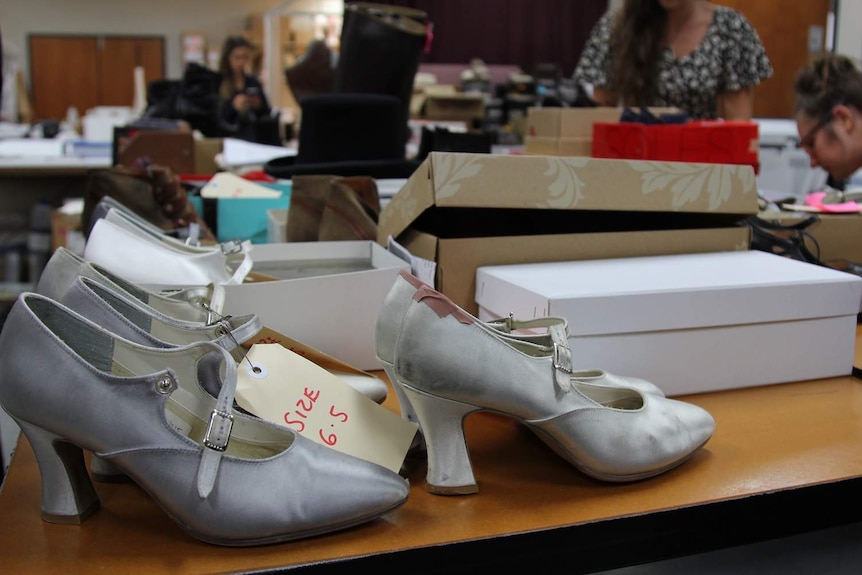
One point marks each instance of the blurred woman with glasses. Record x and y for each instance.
(829, 114)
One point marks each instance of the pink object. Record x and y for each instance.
(815, 200)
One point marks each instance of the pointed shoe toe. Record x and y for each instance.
(224, 477)
(630, 444)
(450, 365)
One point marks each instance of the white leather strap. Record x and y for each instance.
(244, 268)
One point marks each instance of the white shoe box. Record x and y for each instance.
(328, 296)
(690, 323)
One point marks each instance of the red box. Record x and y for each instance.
(716, 142)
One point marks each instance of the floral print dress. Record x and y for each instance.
(730, 57)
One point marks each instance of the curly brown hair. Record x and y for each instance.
(826, 82)
(636, 51)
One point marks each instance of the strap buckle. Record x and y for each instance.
(563, 358)
(218, 430)
(231, 247)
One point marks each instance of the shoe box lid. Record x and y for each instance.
(652, 293)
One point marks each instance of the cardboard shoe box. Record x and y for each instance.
(544, 146)
(690, 323)
(454, 107)
(328, 296)
(462, 211)
(569, 131)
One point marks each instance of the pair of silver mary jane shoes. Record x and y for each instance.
(151, 396)
(445, 364)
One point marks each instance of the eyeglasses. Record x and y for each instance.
(807, 141)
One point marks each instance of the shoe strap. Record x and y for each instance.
(235, 331)
(563, 363)
(510, 323)
(218, 431)
(558, 331)
(235, 250)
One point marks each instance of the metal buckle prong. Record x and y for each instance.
(218, 430)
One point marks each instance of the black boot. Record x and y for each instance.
(380, 50)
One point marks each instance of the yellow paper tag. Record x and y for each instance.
(283, 387)
(228, 185)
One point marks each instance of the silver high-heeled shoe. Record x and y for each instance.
(64, 267)
(136, 322)
(553, 338)
(450, 365)
(190, 305)
(224, 477)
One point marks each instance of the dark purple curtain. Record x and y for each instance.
(519, 32)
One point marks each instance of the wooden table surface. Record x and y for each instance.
(774, 439)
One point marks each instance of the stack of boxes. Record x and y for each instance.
(569, 131)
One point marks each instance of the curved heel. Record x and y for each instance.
(407, 411)
(68, 495)
(449, 469)
(104, 471)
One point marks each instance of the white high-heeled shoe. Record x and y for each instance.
(132, 222)
(224, 477)
(108, 204)
(450, 365)
(551, 338)
(144, 258)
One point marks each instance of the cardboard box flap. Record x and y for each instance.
(576, 122)
(657, 293)
(527, 194)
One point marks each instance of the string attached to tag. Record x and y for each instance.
(223, 322)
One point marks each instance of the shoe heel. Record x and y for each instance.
(407, 411)
(449, 469)
(104, 471)
(417, 448)
(68, 495)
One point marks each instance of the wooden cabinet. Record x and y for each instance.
(89, 71)
(791, 34)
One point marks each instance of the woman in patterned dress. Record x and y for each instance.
(690, 54)
(829, 114)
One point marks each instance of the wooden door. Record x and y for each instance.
(89, 71)
(785, 29)
(117, 59)
(63, 73)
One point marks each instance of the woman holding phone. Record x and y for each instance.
(241, 96)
